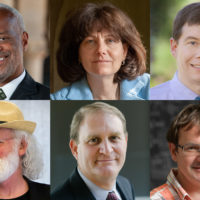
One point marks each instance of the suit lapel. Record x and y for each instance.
(79, 188)
(26, 88)
(125, 189)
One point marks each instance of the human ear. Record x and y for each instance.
(173, 151)
(22, 147)
(173, 46)
(25, 40)
(74, 148)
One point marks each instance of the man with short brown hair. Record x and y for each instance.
(183, 138)
(185, 47)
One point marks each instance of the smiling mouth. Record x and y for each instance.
(197, 66)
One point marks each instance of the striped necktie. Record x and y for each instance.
(111, 196)
(2, 94)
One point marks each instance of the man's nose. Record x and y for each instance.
(105, 147)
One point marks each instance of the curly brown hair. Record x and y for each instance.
(79, 24)
(186, 119)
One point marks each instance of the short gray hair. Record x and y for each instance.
(92, 108)
(16, 13)
(32, 162)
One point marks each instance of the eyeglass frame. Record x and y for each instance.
(183, 147)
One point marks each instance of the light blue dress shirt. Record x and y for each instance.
(137, 89)
(172, 90)
(98, 193)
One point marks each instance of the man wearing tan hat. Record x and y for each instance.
(17, 163)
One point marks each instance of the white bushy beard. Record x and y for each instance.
(9, 164)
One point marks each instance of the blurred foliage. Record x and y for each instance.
(163, 12)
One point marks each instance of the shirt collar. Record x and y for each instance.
(179, 90)
(171, 178)
(10, 87)
(98, 193)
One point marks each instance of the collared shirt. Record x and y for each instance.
(98, 193)
(137, 89)
(172, 90)
(10, 87)
(171, 190)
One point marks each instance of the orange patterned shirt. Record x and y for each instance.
(171, 190)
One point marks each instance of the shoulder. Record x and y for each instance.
(62, 192)
(160, 92)
(43, 91)
(78, 90)
(39, 190)
(138, 87)
(61, 94)
(161, 192)
(125, 188)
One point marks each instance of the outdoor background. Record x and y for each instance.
(163, 64)
(136, 167)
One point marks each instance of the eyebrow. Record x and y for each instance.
(191, 38)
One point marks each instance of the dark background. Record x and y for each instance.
(136, 167)
(162, 114)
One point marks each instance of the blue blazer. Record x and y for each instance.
(75, 189)
(137, 89)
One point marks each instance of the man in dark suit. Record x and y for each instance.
(15, 82)
(20, 160)
(98, 141)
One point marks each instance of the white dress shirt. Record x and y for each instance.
(98, 193)
(10, 87)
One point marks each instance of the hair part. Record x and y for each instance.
(16, 14)
(186, 119)
(96, 17)
(32, 163)
(80, 115)
(190, 15)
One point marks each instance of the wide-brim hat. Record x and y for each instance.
(12, 117)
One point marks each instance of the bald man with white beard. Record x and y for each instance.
(20, 159)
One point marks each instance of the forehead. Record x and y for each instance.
(191, 134)
(190, 31)
(100, 123)
(6, 133)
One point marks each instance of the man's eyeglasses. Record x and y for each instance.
(190, 149)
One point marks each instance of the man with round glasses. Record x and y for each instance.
(184, 145)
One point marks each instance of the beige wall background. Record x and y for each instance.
(138, 11)
(35, 14)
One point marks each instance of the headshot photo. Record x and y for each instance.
(175, 55)
(175, 150)
(25, 150)
(100, 150)
(99, 50)
(23, 51)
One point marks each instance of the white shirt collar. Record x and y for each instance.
(10, 87)
(98, 193)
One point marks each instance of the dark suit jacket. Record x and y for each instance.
(76, 189)
(38, 191)
(29, 89)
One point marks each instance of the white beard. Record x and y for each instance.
(8, 165)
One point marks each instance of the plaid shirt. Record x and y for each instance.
(171, 190)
